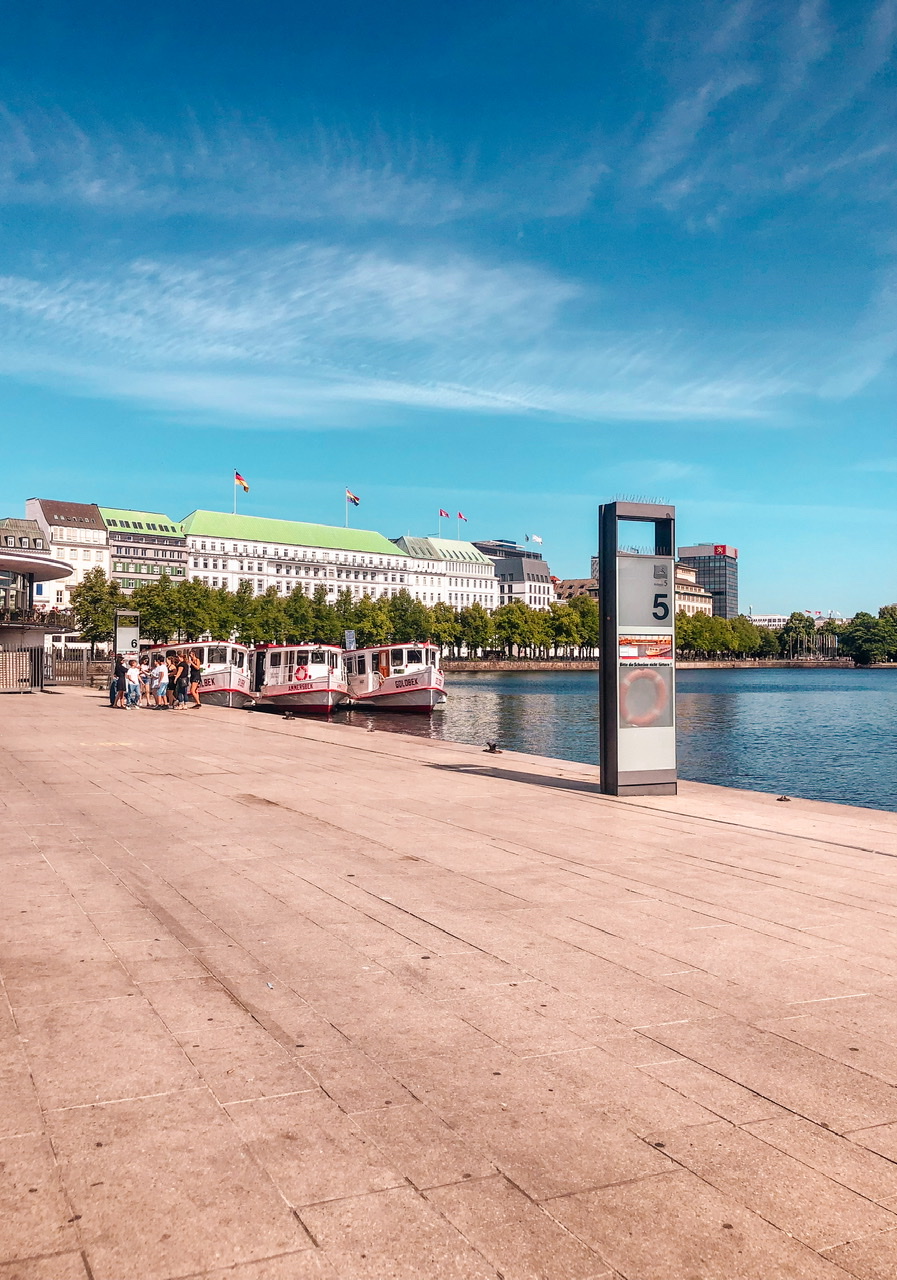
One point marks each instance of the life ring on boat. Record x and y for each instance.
(301, 673)
(661, 696)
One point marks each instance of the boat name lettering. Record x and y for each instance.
(405, 684)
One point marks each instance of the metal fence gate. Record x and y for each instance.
(22, 670)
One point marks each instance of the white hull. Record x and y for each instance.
(420, 688)
(402, 699)
(229, 688)
(314, 697)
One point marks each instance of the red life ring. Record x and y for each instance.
(661, 696)
(301, 673)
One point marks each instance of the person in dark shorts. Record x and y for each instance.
(119, 675)
(182, 680)
(194, 676)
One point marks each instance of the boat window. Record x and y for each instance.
(362, 666)
(397, 657)
(236, 657)
(273, 659)
(334, 660)
(415, 655)
(350, 666)
(216, 653)
(318, 656)
(302, 657)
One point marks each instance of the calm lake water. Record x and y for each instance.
(825, 735)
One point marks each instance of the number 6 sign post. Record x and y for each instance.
(638, 652)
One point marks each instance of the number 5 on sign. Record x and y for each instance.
(661, 610)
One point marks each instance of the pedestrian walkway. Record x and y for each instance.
(286, 1000)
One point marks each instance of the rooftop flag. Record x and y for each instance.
(443, 513)
(353, 498)
(461, 516)
(238, 479)
(536, 538)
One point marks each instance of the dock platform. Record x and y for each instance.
(289, 1000)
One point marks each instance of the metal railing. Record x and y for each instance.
(52, 619)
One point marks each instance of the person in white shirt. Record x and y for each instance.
(132, 684)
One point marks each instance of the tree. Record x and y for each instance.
(746, 636)
(408, 617)
(222, 616)
(329, 624)
(443, 624)
(94, 601)
(372, 622)
(157, 604)
(300, 617)
(798, 636)
(194, 608)
(589, 620)
(510, 627)
(243, 605)
(566, 630)
(270, 618)
(769, 642)
(867, 639)
(475, 627)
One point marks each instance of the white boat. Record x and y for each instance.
(397, 678)
(226, 670)
(310, 677)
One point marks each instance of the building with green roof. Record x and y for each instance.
(450, 549)
(143, 545)
(469, 575)
(260, 530)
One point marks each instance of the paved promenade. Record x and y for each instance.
(292, 1001)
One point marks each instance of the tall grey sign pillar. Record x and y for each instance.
(127, 632)
(637, 596)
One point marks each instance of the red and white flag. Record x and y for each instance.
(443, 513)
(462, 516)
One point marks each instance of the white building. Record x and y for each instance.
(691, 598)
(225, 550)
(463, 574)
(76, 534)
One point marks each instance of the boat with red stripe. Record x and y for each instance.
(405, 677)
(302, 677)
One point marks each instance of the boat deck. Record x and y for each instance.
(287, 1000)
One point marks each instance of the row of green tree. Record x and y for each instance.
(189, 609)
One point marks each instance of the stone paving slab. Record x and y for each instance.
(293, 1001)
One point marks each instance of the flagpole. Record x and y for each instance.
(235, 497)
(347, 510)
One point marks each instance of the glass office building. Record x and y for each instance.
(716, 568)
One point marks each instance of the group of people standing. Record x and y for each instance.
(168, 682)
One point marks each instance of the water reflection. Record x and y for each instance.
(828, 735)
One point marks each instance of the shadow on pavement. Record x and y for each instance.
(515, 775)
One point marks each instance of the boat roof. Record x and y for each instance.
(394, 644)
(221, 524)
(303, 644)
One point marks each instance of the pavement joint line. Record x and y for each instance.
(859, 995)
(139, 1097)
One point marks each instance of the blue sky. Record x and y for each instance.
(508, 258)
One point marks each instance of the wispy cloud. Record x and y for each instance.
(312, 330)
(235, 170)
(772, 100)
